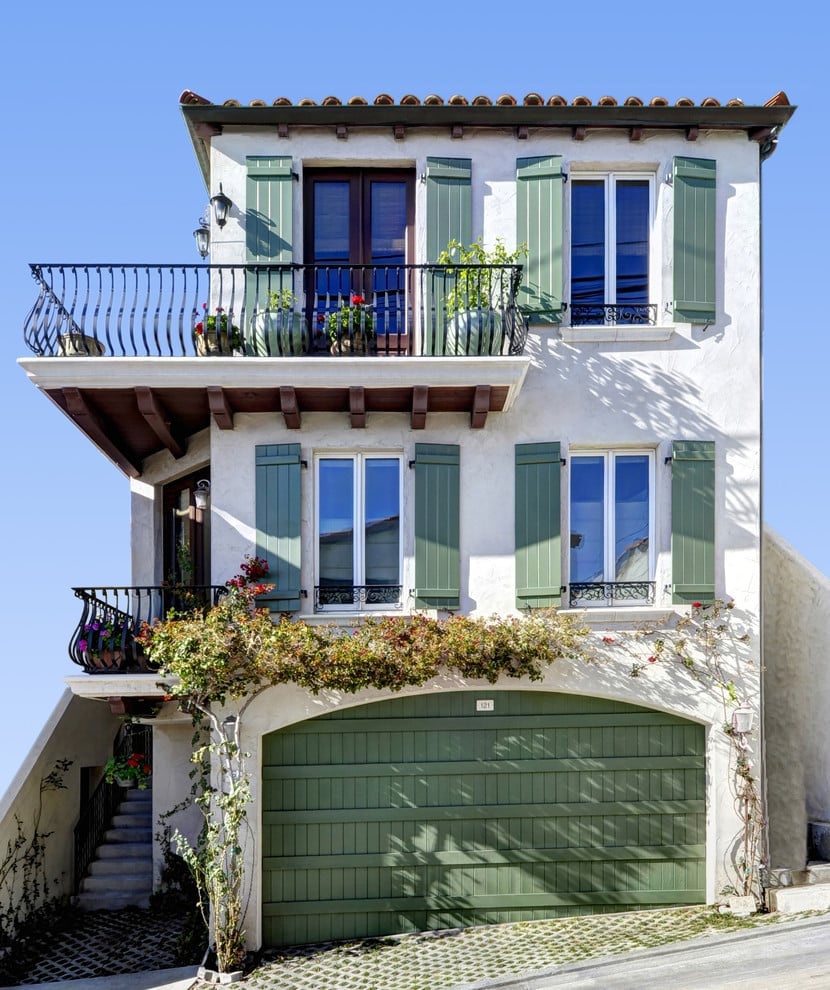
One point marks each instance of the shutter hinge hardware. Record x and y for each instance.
(563, 461)
(667, 460)
(303, 593)
(304, 464)
(412, 464)
(669, 178)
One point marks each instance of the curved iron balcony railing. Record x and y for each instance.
(104, 640)
(606, 314)
(256, 310)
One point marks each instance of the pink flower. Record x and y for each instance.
(82, 645)
(607, 639)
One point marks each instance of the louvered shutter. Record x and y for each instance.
(278, 522)
(437, 513)
(539, 226)
(694, 240)
(693, 520)
(538, 539)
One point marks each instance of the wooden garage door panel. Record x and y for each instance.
(421, 812)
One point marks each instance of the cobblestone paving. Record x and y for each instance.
(446, 960)
(100, 943)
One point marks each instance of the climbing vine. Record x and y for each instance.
(24, 887)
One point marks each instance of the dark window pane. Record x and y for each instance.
(332, 236)
(631, 516)
(587, 519)
(336, 548)
(632, 242)
(588, 243)
(388, 247)
(382, 522)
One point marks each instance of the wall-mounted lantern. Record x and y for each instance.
(221, 207)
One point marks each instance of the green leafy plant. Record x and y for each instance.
(481, 278)
(280, 300)
(133, 767)
(351, 320)
(216, 330)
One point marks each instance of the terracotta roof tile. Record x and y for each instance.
(189, 98)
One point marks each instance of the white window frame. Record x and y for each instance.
(358, 459)
(609, 455)
(610, 179)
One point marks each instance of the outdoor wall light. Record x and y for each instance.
(201, 493)
(742, 719)
(221, 206)
(202, 235)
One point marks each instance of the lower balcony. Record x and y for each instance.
(104, 641)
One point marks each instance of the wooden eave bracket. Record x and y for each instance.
(206, 131)
(80, 411)
(692, 133)
(220, 407)
(481, 406)
(456, 132)
(158, 420)
(760, 134)
(522, 132)
(357, 407)
(635, 134)
(578, 133)
(282, 130)
(289, 407)
(341, 131)
(399, 131)
(420, 398)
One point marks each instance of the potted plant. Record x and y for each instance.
(478, 290)
(279, 329)
(128, 771)
(79, 345)
(350, 328)
(215, 334)
(103, 640)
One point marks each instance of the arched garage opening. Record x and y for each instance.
(477, 807)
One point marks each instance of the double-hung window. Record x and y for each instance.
(611, 525)
(358, 531)
(610, 253)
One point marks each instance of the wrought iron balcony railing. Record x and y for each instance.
(104, 641)
(611, 593)
(357, 596)
(599, 314)
(256, 310)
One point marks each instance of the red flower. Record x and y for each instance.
(607, 639)
(652, 659)
(357, 299)
(199, 328)
(321, 318)
(146, 768)
(697, 604)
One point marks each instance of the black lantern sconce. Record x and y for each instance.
(202, 235)
(221, 207)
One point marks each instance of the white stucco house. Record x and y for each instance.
(583, 434)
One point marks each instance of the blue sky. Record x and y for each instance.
(95, 166)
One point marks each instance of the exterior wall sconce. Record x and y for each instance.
(742, 719)
(202, 235)
(221, 207)
(201, 493)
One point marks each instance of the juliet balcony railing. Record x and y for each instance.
(258, 310)
(104, 641)
(602, 314)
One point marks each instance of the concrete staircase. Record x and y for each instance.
(801, 890)
(121, 874)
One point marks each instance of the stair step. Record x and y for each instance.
(118, 883)
(807, 897)
(128, 835)
(131, 820)
(121, 865)
(818, 872)
(120, 850)
(110, 902)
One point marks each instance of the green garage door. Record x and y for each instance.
(470, 808)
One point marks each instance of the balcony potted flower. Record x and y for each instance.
(102, 642)
(128, 771)
(215, 334)
(478, 291)
(350, 328)
(279, 329)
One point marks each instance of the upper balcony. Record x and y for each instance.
(440, 339)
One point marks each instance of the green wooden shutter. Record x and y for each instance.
(449, 203)
(437, 511)
(278, 522)
(538, 542)
(268, 210)
(694, 240)
(693, 520)
(539, 226)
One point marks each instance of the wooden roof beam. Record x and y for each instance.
(289, 407)
(158, 420)
(357, 406)
(420, 398)
(220, 407)
(87, 419)
(481, 406)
